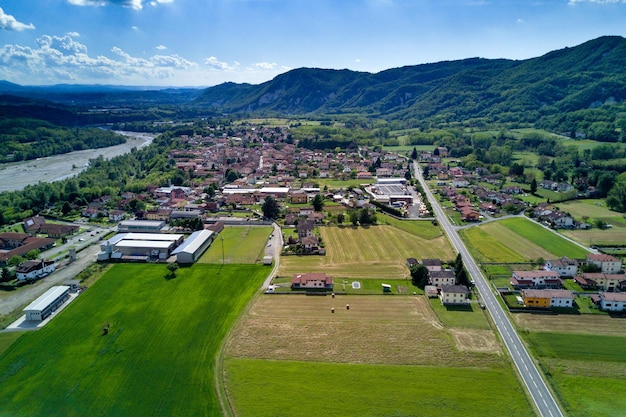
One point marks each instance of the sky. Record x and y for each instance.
(200, 43)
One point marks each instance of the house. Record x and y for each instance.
(305, 228)
(31, 270)
(600, 281)
(432, 264)
(442, 278)
(612, 301)
(116, 215)
(566, 267)
(470, 215)
(312, 281)
(454, 294)
(19, 244)
(309, 243)
(460, 183)
(298, 197)
(536, 279)
(32, 224)
(55, 230)
(412, 262)
(608, 264)
(547, 298)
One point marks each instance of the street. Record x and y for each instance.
(538, 389)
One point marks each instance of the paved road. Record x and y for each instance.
(539, 392)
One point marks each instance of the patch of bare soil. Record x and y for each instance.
(475, 340)
(571, 323)
(374, 330)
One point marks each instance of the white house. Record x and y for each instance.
(38, 268)
(565, 266)
(441, 278)
(609, 264)
(613, 301)
(454, 294)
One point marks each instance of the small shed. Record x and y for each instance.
(267, 260)
(386, 287)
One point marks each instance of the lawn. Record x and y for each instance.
(422, 228)
(242, 245)
(540, 236)
(157, 359)
(7, 339)
(367, 252)
(487, 248)
(260, 388)
(469, 316)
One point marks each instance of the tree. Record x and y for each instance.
(5, 275)
(354, 217)
(533, 186)
(462, 277)
(318, 202)
(414, 153)
(340, 218)
(15, 260)
(419, 276)
(270, 207)
(33, 254)
(173, 267)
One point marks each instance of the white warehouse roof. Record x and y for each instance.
(153, 244)
(48, 297)
(194, 241)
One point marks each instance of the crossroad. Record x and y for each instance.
(536, 385)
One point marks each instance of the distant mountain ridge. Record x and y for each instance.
(564, 80)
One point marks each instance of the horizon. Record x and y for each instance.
(199, 44)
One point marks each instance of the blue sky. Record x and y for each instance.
(207, 42)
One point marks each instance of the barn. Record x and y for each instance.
(47, 303)
(194, 246)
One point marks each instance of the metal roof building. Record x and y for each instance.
(48, 302)
(194, 246)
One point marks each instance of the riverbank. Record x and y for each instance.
(58, 167)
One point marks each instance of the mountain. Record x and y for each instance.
(565, 80)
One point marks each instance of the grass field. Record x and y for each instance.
(367, 252)
(302, 389)
(7, 339)
(158, 358)
(517, 240)
(242, 245)
(588, 371)
(384, 356)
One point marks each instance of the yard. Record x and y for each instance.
(242, 245)
(383, 356)
(368, 252)
(157, 359)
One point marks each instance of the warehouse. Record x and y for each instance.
(45, 305)
(139, 246)
(141, 226)
(194, 246)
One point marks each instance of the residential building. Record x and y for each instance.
(566, 267)
(547, 298)
(442, 278)
(432, 264)
(609, 264)
(305, 228)
(34, 269)
(312, 281)
(454, 294)
(600, 281)
(536, 279)
(613, 301)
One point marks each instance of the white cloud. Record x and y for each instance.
(357, 60)
(520, 21)
(161, 47)
(265, 66)
(573, 2)
(8, 22)
(73, 34)
(132, 4)
(214, 64)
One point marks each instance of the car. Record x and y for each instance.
(81, 239)
(269, 244)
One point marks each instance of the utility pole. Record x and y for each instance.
(222, 250)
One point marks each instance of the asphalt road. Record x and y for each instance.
(538, 389)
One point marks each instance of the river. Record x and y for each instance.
(18, 175)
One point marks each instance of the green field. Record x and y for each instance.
(368, 252)
(544, 238)
(587, 371)
(487, 248)
(259, 388)
(470, 316)
(242, 245)
(158, 358)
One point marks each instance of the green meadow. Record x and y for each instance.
(307, 389)
(241, 245)
(159, 354)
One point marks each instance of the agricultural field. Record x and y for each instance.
(367, 252)
(517, 240)
(590, 210)
(242, 245)
(286, 345)
(159, 354)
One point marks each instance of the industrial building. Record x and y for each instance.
(194, 246)
(45, 305)
(141, 226)
(140, 247)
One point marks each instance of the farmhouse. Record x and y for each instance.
(547, 298)
(30, 270)
(45, 305)
(536, 279)
(19, 244)
(432, 264)
(441, 278)
(139, 246)
(612, 301)
(565, 266)
(600, 281)
(312, 281)
(55, 230)
(454, 294)
(609, 264)
(194, 246)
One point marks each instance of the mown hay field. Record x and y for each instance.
(367, 252)
(157, 358)
(382, 356)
